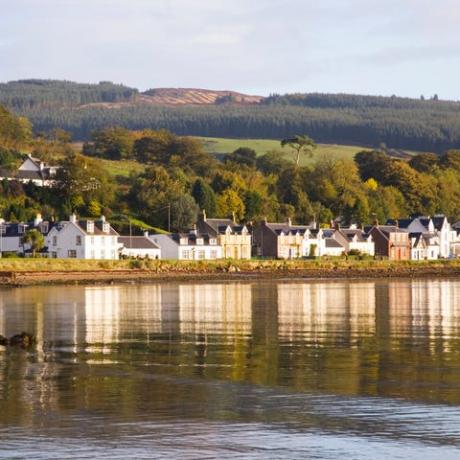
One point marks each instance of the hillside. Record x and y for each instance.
(355, 120)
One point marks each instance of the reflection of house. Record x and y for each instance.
(234, 239)
(215, 308)
(83, 239)
(188, 246)
(317, 311)
(32, 170)
(390, 241)
(139, 246)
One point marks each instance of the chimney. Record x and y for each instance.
(102, 219)
(146, 234)
(289, 222)
(193, 231)
(42, 166)
(234, 217)
(38, 220)
(204, 215)
(73, 218)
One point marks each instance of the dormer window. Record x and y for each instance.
(21, 228)
(212, 241)
(184, 240)
(199, 241)
(106, 227)
(2, 228)
(90, 226)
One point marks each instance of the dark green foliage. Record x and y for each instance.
(400, 123)
(112, 143)
(243, 156)
(204, 196)
(424, 162)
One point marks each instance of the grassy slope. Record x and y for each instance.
(261, 146)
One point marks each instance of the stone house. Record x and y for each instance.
(235, 239)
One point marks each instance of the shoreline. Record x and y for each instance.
(230, 272)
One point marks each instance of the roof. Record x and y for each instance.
(137, 242)
(219, 226)
(286, 228)
(332, 243)
(18, 229)
(192, 237)
(350, 233)
(438, 221)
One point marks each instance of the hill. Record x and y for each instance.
(366, 121)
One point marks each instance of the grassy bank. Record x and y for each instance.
(36, 271)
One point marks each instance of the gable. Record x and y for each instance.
(29, 165)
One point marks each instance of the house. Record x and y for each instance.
(83, 239)
(356, 239)
(437, 225)
(188, 246)
(32, 170)
(283, 240)
(11, 234)
(390, 241)
(424, 246)
(141, 247)
(234, 239)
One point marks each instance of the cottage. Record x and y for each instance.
(424, 246)
(188, 246)
(141, 247)
(356, 239)
(235, 239)
(83, 239)
(390, 241)
(32, 170)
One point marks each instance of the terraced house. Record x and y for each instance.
(234, 239)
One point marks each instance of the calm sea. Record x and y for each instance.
(257, 370)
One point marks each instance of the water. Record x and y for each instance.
(282, 370)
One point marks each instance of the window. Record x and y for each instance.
(102, 254)
(72, 254)
(92, 241)
(105, 227)
(185, 254)
(213, 254)
(54, 255)
(199, 241)
(78, 240)
(90, 226)
(201, 254)
(3, 228)
(93, 254)
(213, 241)
(54, 240)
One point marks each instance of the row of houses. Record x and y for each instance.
(417, 238)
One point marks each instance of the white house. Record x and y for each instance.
(141, 247)
(33, 170)
(11, 234)
(424, 246)
(188, 246)
(83, 239)
(356, 239)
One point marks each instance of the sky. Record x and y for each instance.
(402, 47)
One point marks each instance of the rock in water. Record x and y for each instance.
(23, 339)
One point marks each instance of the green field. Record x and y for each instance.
(217, 145)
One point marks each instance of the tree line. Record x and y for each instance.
(176, 174)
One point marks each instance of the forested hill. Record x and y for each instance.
(403, 123)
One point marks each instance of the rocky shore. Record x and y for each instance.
(228, 271)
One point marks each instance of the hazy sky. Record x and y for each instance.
(403, 47)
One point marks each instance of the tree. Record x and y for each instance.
(34, 239)
(184, 212)
(229, 203)
(424, 162)
(243, 156)
(204, 196)
(300, 144)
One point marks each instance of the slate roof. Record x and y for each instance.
(349, 233)
(286, 229)
(219, 226)
(137, 242)
(332, 243)
(192, 237)
(13, 229)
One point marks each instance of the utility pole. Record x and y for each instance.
(169, 217)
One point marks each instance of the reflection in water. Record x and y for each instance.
(218, 365)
